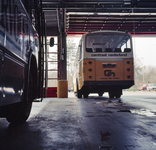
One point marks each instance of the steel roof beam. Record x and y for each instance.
(108, 19)
(96, 23)
(111, 16)
(113, 25)
(63, 4)
(135, 15)
(113, 28)
(130, 30)
(113, 10)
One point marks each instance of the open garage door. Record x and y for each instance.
(51, 70)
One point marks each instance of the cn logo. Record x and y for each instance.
(108, 73)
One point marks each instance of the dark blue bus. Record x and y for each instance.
(19, 71)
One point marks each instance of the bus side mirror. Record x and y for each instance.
(51, 42)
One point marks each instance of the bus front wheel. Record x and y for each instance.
(19, 112)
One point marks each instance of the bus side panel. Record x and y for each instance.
(16, 38)
(109, 70)
(128, 69)
(13, 75)
(80, 74)
(75, 88)
(1, 73)
(89, 69)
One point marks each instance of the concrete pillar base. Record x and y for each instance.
(62, 89)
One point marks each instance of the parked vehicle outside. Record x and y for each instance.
(143, 87)
(151, 87)
(70, 89)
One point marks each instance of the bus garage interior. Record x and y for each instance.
(37, 33)
(69, 18)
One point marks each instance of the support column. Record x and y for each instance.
(63, 61)
(63, 73)
(62, 83)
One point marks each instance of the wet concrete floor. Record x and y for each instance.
(86, 124)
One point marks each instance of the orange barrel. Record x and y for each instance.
(62, 89)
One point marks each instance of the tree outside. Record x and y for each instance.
(71, 55)
(143, 74)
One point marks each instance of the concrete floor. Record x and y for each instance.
(86, 124)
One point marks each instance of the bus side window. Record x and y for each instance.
(98, 49)
(80, 51)
(117, 50)
(127, 50)
(108, 50)
(78, 55)
(89, 50)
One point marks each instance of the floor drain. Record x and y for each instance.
(124, 111)
(104, 140)
(108, 147)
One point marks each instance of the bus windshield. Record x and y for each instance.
(108, 43)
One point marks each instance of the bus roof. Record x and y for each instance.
(107, 31)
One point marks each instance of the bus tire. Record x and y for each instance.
(100, 94)
(79, 95)
(85, 95)
(111, 94)
(118, 93)
(18, 113)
